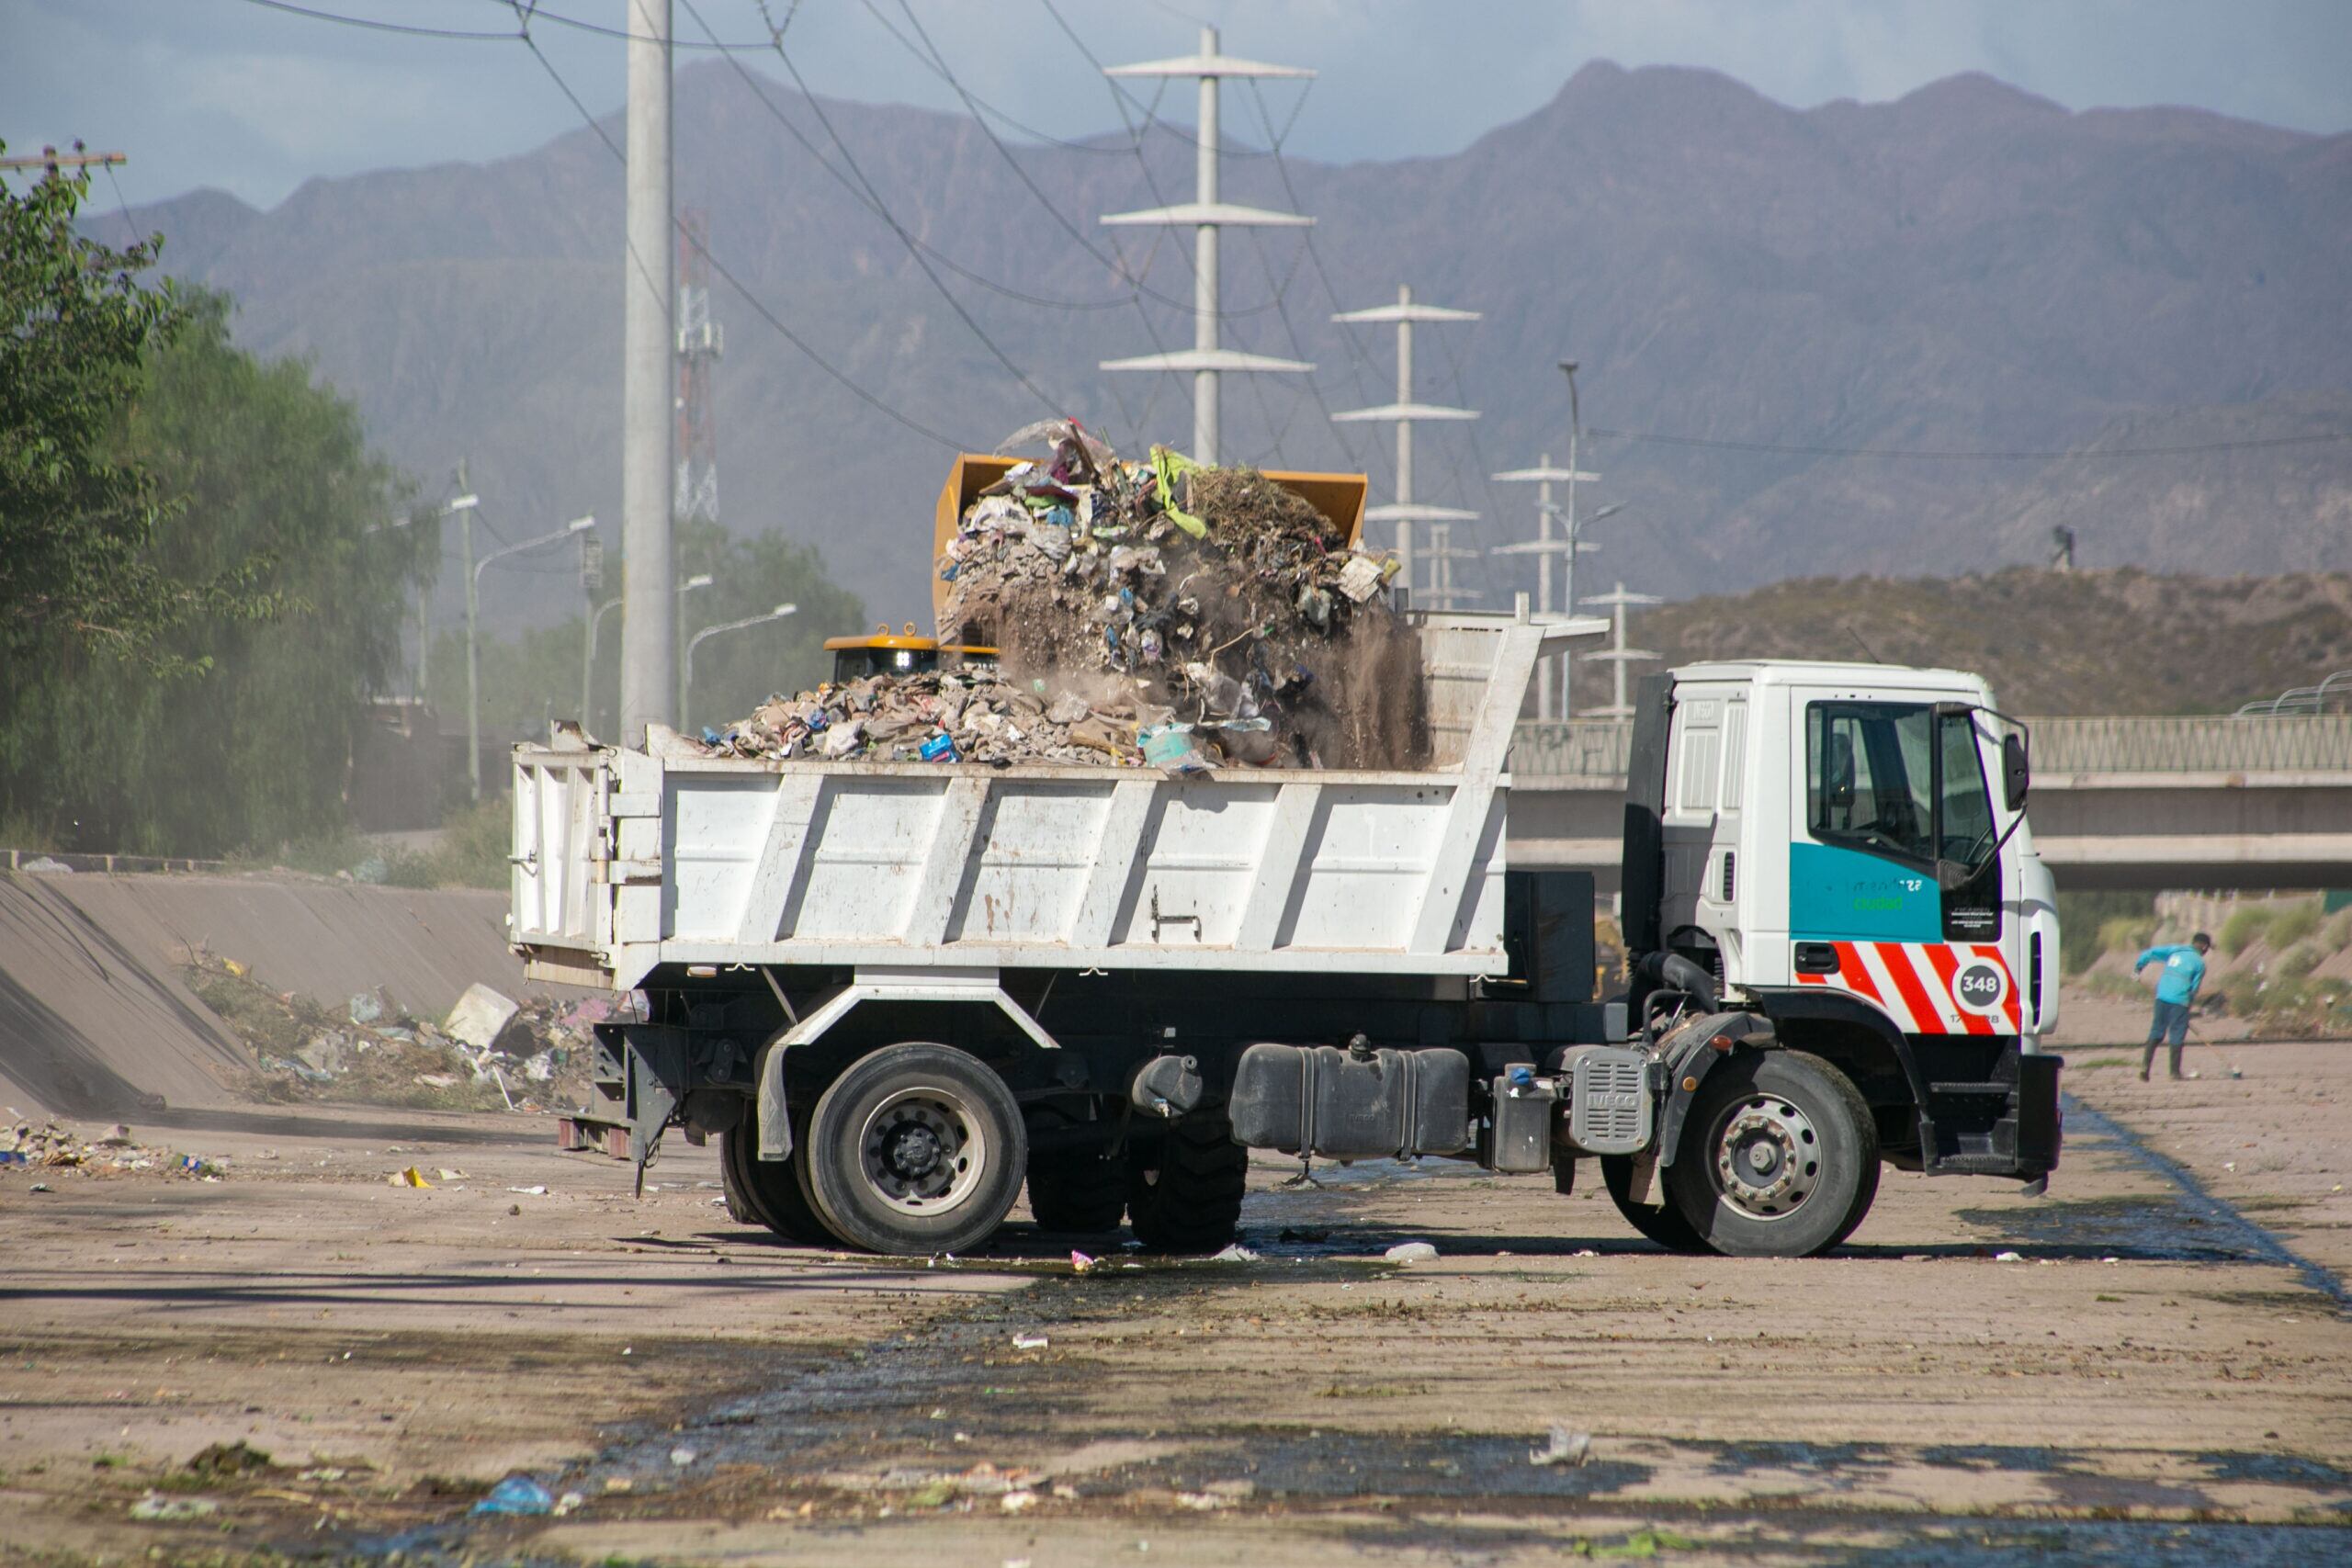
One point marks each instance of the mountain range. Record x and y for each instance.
(2132, 324)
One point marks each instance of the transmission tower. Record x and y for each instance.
(1618, 652)
(1206, 215)
(700, 344)
(1405, 413)
(1441, 593)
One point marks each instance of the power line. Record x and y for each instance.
(758, 306)
(372, 25)
(1655, 438)
(913, 248)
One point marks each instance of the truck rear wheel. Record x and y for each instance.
(1081, 1192)
(767, 1193)
(1779, 1158)
(1185, 1191)
(1663, 1223)
(915, 1150)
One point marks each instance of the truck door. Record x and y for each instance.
(1891, 787)
(1700, 827)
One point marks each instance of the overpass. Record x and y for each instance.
(2131, 803)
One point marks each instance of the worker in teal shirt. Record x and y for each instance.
(2184, 971)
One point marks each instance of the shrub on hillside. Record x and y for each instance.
(2246, 927)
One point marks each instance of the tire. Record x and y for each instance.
(1806, 1119)
(915, 1150)
(1185, 1191)
(1082, 1192)
(1663, 1225)
(768, 1192)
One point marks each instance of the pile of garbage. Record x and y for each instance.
(489, 1052)
(1159, 613)
(51, 1148)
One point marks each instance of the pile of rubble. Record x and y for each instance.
(51, 1148)
(1157, 613)
(489, 1052)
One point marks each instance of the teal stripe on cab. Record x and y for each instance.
(1844, 894)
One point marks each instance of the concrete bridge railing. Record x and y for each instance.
(1592, 751)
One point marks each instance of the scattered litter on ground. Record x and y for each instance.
(1562, 1446)
(51, 1147)
(517, 1494)
(569, 1502)
(682, 1456)
(490, 1052)
(1155, 614)
(1079, 1262)
(1411, 1252)
(2009, 1258)
(220, 1460)
(156, 1507)
(1234, 1253)
(530, 1192)
(412, 1177)
(1029, 1341)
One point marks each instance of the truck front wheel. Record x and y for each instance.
(1779, 1159)
(1185, 1191)
(915, 1150)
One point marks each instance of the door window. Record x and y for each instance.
(1869, 777)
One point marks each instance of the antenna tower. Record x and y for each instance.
(700, 344)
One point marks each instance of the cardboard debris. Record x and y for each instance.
(1156, 614)
(480, 1017)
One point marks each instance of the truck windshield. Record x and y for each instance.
(1869, 774)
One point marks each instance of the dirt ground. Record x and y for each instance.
(2151, 1363)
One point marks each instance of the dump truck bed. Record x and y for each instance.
(626, 860)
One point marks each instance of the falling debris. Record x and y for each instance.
(1411, 1252)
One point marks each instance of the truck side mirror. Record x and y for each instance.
(2015, 774)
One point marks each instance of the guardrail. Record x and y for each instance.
(1591, 753)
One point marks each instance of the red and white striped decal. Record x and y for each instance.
(1915, 983)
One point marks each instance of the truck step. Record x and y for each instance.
(2002, 1090)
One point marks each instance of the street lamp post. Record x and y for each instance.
(473, 637)
(588, 678)
(678, 620)
(779, 613)
(460, 506)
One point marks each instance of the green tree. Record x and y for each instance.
(77, 510)
(230, 731)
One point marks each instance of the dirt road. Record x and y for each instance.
(2160, 1372)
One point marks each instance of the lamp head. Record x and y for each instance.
(580, 524)
(783, 610)
(699, 580)
(462, 503)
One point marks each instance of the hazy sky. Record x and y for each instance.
(232, 94)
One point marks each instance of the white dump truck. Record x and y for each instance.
(898, 992)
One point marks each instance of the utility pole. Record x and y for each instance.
(1618, 653)
(53, 160)
(1444, 594)
(648, 637)
(1405, 413)
(1544, 547)
(1206, 214)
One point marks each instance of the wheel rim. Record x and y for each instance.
(1768, 1157)
(923, 1151)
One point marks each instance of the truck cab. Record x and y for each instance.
(1844, 848)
